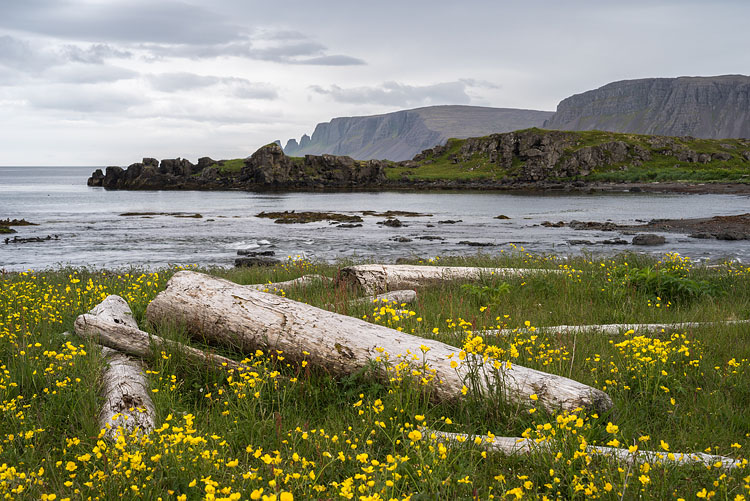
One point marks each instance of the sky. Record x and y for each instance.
(107, 82)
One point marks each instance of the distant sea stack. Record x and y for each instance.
(705, 107)
(401, 135)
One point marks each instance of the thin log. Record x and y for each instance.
(224, 312)
(612, 329)
(374, 278)
(125, 388)
(516, 445)
(400, 297)
(302, 281)
(111, 324)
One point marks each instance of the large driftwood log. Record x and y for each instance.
(374, 278)
(515, 445)
(612, 329)
(224, 312)
(111, 324)
(125, 389)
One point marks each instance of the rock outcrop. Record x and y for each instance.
(706, 107)
(268, 168)
(536, 155)
(401, 135)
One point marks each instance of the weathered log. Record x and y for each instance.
(516, 445)
(302, 281)
(400, 297)
(612, 329)
(111, 324)
(125, 389)
(374, 278)
(224, 312)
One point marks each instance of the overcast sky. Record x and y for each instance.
(106, 82)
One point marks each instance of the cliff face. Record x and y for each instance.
(706, 107)
(401, 135)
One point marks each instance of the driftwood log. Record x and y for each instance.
(612, 329)
(111, 324)
(223, 312)
(125, 389)
(400, 297)
(515, 445)
(302, 281)
(375, 278)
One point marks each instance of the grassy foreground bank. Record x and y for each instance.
(283, 431)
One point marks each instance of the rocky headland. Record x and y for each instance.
(531, 159)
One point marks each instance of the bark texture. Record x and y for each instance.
(515, 445)
(125, 389)
(111, 324)
(223, 312)
(302, 281)
(376, 278)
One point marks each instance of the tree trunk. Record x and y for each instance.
(221, 311)
(111, 324)
(125, 389)
(515, 445)
(375, 278)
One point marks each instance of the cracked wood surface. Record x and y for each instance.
(376, 278)
(220, 311)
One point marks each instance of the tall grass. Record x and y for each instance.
(280, 430)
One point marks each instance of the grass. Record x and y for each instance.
(662, 166)
(291, 430)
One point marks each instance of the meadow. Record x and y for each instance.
(279, 430)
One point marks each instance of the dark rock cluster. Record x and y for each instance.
(267, 168)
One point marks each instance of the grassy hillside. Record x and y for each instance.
(663, 165)
(282, 431)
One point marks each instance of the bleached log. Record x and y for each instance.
(516, 445)
(125, 388)
(302, 281)
(374, 278)
(400, 297)
(111, 324)
(612, 329)
(224, 312)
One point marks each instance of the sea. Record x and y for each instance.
(86, 226)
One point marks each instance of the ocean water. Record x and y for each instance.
(87, 229)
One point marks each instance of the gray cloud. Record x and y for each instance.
(20, 55)
(397, 94)
(94, 54)
(238, 87)
(286, 49)
(85, 99)
(87, 73)
(334, 60)
(140, 21)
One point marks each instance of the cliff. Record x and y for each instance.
(402, 134)
(706, 107)
(267, 169)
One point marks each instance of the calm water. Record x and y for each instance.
(91, 231)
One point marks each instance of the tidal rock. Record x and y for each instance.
(392, 223)
(648, 239)
(254, 253)
(256, 261)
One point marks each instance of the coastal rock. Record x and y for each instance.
(648, 239)
(256, 261)
(96, 178)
